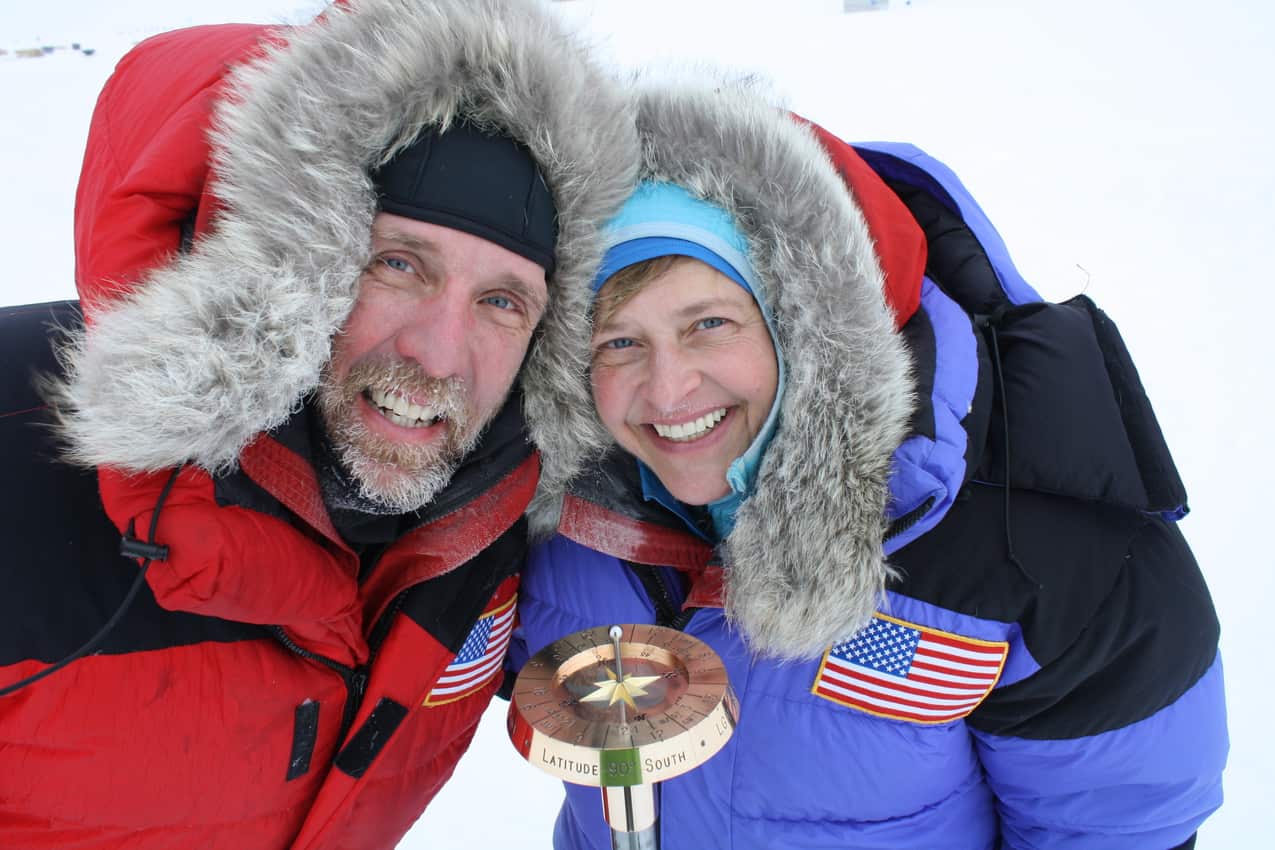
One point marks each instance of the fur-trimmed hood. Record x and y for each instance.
(219, 344)
(804, 563)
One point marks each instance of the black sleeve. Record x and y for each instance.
(1151, 638)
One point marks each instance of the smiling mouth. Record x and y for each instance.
(688, 432)
(399, 410)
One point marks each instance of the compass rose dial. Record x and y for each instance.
(642, 706)
(626, 687)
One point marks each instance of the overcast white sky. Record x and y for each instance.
(1120, 147)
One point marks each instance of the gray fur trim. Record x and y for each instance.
(805, 565)
(224, 343)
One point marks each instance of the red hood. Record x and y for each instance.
(219, 344)
(897, 239)
(146, 159)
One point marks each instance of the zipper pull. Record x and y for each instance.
(356, 687)
(358, 684)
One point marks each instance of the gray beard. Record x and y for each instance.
(361, 472)
(343, 490)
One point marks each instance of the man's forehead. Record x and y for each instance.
(387, 238)
(388, 227)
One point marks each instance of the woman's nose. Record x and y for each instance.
(672, 378)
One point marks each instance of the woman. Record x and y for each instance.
(792, 398)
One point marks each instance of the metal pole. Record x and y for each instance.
(633, 813)
(631, 810)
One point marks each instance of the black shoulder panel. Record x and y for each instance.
(1150, 640)
(955, 260)
(1110, 602)
(61, 575)
(448, 606)
(1073, 396)
(918, 335)
(1164, 488)
(1064, 420)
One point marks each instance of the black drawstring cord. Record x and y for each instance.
(990, 323)
(130, 547)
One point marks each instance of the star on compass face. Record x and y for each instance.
(612, 690)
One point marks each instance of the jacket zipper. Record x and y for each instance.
(382, 628)
(355, 678)
(908, 520)
(667, 612)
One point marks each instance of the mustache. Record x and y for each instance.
(394, 476)
(443, 398)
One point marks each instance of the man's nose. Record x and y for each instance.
(435, 334)
(672, 378)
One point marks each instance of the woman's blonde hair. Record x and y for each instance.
(628, 282)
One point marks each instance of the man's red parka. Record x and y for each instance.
(277, 683)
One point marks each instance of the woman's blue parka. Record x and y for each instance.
(957, 610)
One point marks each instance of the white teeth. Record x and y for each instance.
(399, 410)
(684, 432)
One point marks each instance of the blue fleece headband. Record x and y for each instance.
(662, 219)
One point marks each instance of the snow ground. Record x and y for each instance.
(1120, 148)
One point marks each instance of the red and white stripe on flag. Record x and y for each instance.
(900, 670)
(479, 658)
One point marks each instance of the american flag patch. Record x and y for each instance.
(479, 658)
(908, 672)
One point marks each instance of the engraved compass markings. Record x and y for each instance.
(678, 723)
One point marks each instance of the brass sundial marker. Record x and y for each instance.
(637, 712)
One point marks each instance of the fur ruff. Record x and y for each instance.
(225, 342)
(805, 565)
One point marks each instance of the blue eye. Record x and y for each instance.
(617, 344)
(709, 323)
(499, 301)
(398, 264)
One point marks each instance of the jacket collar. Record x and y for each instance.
(277, 476)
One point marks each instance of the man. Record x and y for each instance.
(309, 337)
